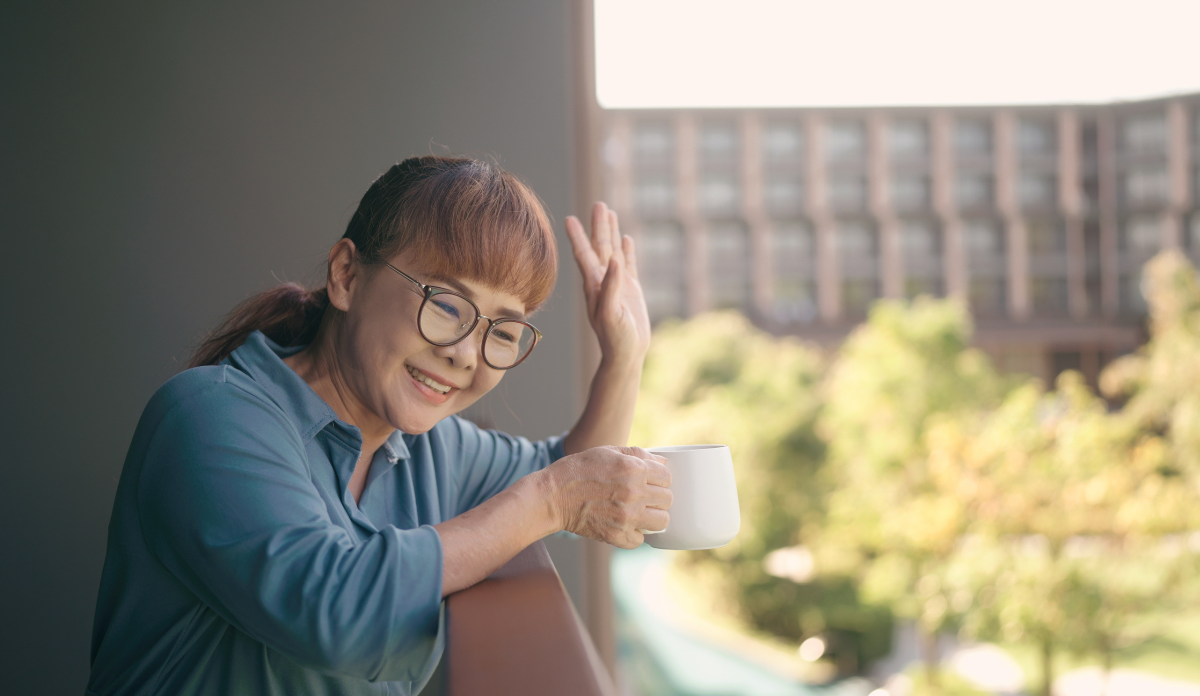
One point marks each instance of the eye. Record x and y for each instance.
(504, 335)
(446, 307)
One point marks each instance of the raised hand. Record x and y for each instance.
(615, 304)
(609, 493)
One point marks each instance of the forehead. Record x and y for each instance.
(492, 301)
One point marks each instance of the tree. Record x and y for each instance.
(894, 517)
(1079, 507)
(1057, 487)
(716, 378)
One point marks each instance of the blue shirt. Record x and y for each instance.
(238, 562)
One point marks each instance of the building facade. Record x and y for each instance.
(1039, 217)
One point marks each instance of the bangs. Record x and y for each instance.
(472, 220)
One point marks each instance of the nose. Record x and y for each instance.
(467, 353)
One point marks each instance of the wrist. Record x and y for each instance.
(621, 364)
(540, 492)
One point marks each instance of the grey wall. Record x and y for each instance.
(158, 164)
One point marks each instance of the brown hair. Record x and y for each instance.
(458, 218)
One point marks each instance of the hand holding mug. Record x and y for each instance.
(610, 493)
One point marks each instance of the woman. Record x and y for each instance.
(294, 508)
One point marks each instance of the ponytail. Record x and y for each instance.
(288, 315)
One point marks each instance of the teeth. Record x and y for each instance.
(420, 377)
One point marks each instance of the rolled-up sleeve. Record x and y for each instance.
(228, 506)
(489, 461)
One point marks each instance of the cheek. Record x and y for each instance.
(480, 386)
(380, 349)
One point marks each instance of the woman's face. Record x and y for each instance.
(386, 360)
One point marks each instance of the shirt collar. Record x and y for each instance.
(262, 359)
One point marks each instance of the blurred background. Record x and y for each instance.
(927, 267)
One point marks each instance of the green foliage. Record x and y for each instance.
(928, 486)
(719, 379)
(895, 514)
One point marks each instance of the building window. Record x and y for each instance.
(973, 191)
(793, 255)
(987, 296)
(1035, 137)
(973, 137)
(718, 142)
(1132, 301)
(662, 266)
(845, 140)
(921, 248)
(1141, 236)
(1047, 265)
(983, 239)
(718, 193)
(985, 247)
(1049, 296)
(857, 246)
(729, 265)
(848, 193)
(783, 141)
(910, 192)
(654, 194)
(1146, 133)
(1046, 236)
(1091, 254)
(1146, 185)
(653, 142)
(783, 193)
(1036, 190)
(908, 139)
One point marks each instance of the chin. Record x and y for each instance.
(420, 423)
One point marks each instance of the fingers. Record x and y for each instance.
(585, 256)
(659, 498)
(631, 540)
(657, 474)
(609, 302)
(655, 466)
(601, 233)
(630, 256)
(654, 520)
(612, 492)
(614, 241)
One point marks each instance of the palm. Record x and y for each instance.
(615, 304)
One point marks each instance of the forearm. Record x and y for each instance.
(486, 537)
(608, 416)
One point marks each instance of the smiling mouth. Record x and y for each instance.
(427, 380)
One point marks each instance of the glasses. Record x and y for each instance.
(446, 317)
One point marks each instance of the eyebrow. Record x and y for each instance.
(457, 286)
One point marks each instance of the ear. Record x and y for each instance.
(343, 272)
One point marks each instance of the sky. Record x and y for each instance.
(737, 53)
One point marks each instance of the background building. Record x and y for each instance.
(1040, 217)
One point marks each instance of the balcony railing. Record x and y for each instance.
(518, 633)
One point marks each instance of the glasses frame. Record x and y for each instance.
(430, 291)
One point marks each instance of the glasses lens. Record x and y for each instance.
(508, 343)
(446, 317)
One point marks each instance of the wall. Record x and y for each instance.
(160, 163)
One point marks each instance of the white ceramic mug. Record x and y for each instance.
(705, 513)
